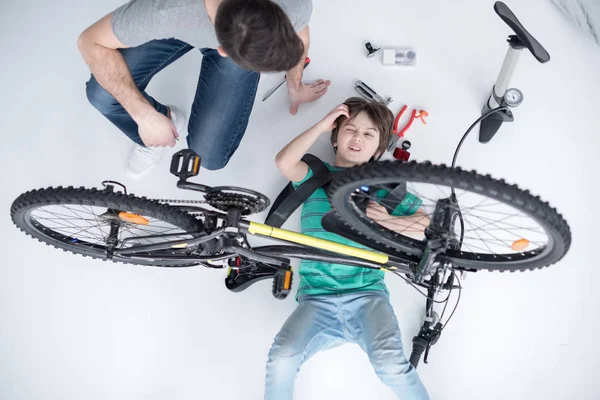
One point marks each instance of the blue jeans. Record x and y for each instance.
(327, 321)
(222, 104)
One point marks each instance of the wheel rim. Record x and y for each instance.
(492, 227)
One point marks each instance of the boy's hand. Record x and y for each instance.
(411, 225)
(307, 93)
(328, 123)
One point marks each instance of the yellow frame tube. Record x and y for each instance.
(256, 228)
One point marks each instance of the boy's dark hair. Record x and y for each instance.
(258, 35)
(380, 116)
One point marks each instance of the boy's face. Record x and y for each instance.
(357, 141)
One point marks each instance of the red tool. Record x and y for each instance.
(421, 115)
(401, 153)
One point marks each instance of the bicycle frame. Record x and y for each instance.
(311, 248)
(231, 241)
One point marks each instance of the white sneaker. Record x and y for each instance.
(179, 120)
(143, 160)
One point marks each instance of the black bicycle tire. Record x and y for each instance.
(553, 223)
(28, 201)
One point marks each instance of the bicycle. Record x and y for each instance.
(457, 234)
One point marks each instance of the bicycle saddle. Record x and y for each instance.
(525, 37)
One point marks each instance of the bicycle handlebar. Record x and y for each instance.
(419, 347)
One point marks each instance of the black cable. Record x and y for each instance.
(418, 290)
(456, 305)
(447, 299)
(487, 114)
(478, 120)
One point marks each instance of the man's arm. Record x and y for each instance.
(98, 46)
(297, 91)
(294, 75)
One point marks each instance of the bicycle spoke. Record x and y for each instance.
(82, 223)
(497, 227)
(63, 226)
(491, 226)
(466, 222)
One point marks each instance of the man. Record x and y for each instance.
(238, 40)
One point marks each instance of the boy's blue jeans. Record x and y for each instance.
(222, 104)
(326, 321)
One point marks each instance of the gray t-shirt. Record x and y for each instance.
(140, 21)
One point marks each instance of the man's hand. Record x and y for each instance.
(157, 130)
(328, 123)
(307, 93)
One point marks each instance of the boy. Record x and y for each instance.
(338, 303)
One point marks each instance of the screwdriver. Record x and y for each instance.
(270, 92)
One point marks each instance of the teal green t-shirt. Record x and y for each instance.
(317, 277)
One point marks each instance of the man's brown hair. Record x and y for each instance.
(258, 35)
(380, 116)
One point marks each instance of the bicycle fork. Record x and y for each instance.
(440, 236)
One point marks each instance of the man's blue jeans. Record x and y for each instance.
(222, 104)
(324, 322)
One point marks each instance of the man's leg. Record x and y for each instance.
(312, 327)
(373, 324)
(143, 62)
(222, 105)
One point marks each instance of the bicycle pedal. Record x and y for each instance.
(185, 164)
(238, 280)
(282, 283)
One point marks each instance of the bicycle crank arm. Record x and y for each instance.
(253, 255)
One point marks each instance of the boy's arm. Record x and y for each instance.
(288, 160)
(412, 226)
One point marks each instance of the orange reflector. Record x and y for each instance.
(520, 245)
(196, 164)
(133, 218)
(288, 278)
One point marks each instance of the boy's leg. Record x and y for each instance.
(222, 105)
(312, 327)
(144, 62)
(373, 324)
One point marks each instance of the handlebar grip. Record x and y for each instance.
(414, 359)
(419, 347)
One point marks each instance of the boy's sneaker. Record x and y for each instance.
(143, 160)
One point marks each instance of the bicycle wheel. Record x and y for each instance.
(92, 223)
(505, 228)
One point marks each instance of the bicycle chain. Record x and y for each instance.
(181, 201)
(223, 202)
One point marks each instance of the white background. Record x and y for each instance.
(75, 328)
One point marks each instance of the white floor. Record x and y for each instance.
(74, 328)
